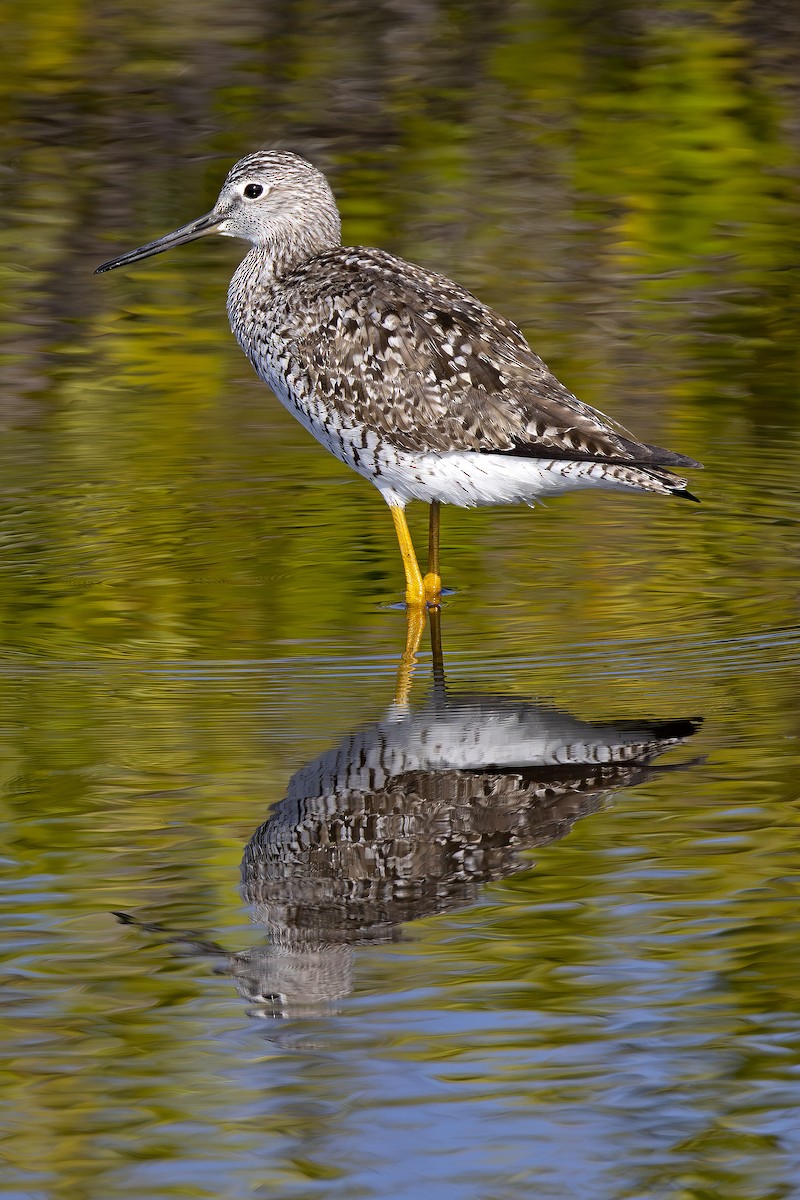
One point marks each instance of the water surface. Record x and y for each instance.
(531, 934)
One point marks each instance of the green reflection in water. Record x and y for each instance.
(193, 603)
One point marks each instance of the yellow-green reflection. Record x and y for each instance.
(193, 595)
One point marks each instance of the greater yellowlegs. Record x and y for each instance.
(401, 373)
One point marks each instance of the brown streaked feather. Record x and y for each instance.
(421, 361)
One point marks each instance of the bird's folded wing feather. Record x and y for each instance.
(421, 361)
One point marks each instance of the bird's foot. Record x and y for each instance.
(432, 589)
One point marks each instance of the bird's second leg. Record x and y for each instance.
(415, 590)
(432, 583)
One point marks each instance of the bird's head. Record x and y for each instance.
(272, 199)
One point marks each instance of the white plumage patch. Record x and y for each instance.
(468, 480)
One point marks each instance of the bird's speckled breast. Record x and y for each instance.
(268, 327)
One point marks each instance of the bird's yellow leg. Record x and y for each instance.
(415, 624)
(432, 583)
(415, 592)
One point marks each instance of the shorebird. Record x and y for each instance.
(401, 373)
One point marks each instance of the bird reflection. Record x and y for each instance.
(410, 815)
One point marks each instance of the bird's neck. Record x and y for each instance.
(260, 274)
(291, 243)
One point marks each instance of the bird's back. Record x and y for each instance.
(362, 339)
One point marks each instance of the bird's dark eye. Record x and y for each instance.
(253, 190)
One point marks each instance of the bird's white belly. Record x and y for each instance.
(468, 479)
(464, 478)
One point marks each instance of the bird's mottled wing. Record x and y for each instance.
(421, 361)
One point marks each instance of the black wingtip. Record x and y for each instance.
(685, 494)
(683, 462)
(646, 455)
(680, 728)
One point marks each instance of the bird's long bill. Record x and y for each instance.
(187, 233)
